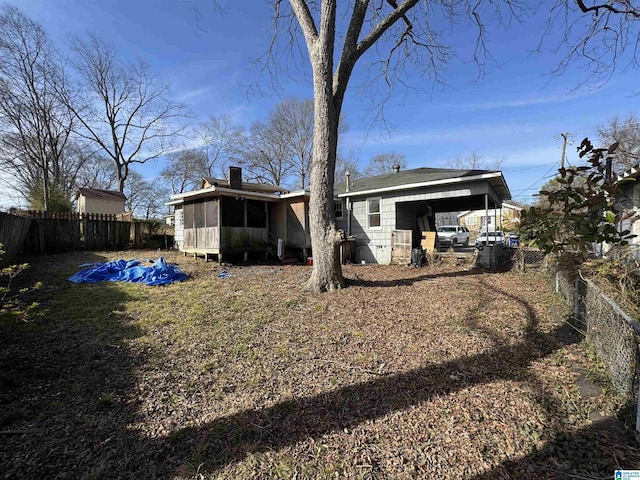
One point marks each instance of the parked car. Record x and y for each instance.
(453, 235)
(492, 238)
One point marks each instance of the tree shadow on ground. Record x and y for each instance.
(588, 453)
(230, 439)
(409, 280)
(66, 383)
(71, 399)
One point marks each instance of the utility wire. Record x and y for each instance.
(544, 177)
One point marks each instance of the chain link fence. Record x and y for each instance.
(614, 335)
(523, 258)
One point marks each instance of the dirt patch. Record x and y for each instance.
(408, 373)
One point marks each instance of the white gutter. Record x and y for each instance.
(408, 186)
(297, 193)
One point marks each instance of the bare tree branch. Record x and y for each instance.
(128, 112)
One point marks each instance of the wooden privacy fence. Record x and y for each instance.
(13, 231)
(68, 232)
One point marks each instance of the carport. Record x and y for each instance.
(388, 213)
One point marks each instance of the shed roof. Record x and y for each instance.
(104, 194)
(422, 177)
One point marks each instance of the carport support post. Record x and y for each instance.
(486, 215)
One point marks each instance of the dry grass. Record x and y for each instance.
(408, 373)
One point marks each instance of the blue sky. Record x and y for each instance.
(515, 111)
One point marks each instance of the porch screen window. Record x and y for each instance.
(198, 215)
(373, 212)
(256, 214)
(211, 212)
(232, 212)
(188, 215)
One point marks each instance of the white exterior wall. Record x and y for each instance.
(373, 245)
(179, 227)
(473, 219)
(100, 205)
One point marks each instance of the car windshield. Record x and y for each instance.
(446, 229)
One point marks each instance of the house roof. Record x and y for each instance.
(422, 177)
(253, 187)
(104, 194)
(215, 191)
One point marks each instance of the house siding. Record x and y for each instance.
(178, 235)
(473, 219)
(630, 203)
(100, 205)
(373, 245)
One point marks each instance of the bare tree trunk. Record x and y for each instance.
(45, 187)
(325, 238)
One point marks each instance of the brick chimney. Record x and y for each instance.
(235, 178)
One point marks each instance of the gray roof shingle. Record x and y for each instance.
(407, 177)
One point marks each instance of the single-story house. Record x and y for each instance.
(629, 205)
(93, 200)
(231, 216)
(506, 218)
(386, 214)
(383, 216)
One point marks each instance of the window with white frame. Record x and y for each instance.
(470, 220)
(337, 208)
(373, 212)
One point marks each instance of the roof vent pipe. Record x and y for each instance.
(396, 168)
(348, 182)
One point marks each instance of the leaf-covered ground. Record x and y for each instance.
(440, 372)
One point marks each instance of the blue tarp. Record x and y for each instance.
(160, 273)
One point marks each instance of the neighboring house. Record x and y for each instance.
(387, 213)
(92, 200)
(506, 218)
(232, 216)
(629, 205)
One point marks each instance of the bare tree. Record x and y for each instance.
(347, 162)
(265, 156)
(128, 112)
(474, 161)
(626, 133)
(185, 169)
(98, 172)
(404, 30)
(145, 198)
(292, 121)
(385, 163)
(601, 37)
(222, 139)
(35, 126)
